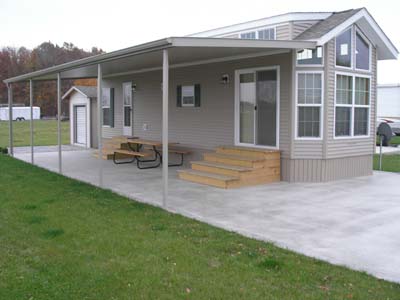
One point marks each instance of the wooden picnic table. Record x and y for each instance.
(138, 153)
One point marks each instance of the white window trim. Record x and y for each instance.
(256, 30)
(102, 110)
(194, 96)
(352, 106)
(297, 105)
(352, 49)
(237, 106)
(313, 65)
(364, 37)
(265, 28)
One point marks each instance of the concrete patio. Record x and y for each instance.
(351, 222)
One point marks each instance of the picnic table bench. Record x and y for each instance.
(138, 153)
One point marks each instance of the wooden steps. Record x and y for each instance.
(231, 167)
(217, 180)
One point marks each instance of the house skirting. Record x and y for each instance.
(321, 170)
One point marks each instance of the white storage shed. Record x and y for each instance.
(83, 116)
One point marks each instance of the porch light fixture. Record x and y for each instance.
(224, 79)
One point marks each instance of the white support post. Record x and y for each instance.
(31, 123)
(165, 83)
(59, 122)
(100, 121)
(10, 118)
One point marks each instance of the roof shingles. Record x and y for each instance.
(323, 27)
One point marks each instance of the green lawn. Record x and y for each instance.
(45, 133)
(395, 140)
(390, 162)
(63, 239)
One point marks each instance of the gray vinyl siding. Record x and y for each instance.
(322, 170)
(283, 31)
(332, 159)
(211, 124)
(299, 27)
(344, 147)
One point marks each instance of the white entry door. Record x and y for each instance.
(257, 107)
(80, 125)
(127, 108)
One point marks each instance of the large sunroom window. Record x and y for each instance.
(344, 49)
(352, 106)
(362, 53)
(309, 104)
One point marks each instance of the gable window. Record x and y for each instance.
(310, 56)
(352, 106)
(344, 49)
(107, 105)
(362, 53)
(248, 35)
(309, 104)
(266, 34)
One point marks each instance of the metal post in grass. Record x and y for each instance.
(380, 152)
(100, 121)
(31, 123)
(59, 122)
(10, 119)
(165, 83)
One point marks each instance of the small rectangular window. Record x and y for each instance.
(309, 105)
(248, 35)
(310, 56)
(105, 103)
(344, 49)
(266, 34)
(188, 95)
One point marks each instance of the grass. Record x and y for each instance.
(63, 239)
(390, 162)
(395, 140)
(45, 133)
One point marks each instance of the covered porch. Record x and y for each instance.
(351, 222)
(156, 68)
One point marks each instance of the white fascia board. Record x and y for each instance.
(384, 40)
(290, 17)
(239, 43)
(92, 60)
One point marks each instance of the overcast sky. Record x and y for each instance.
(116, 24)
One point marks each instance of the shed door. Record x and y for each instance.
(80, 125)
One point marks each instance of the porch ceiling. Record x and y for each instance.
(182, 50)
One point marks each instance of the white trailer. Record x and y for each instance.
(389, 101)
(20, 113)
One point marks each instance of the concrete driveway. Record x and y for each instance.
(353, 222)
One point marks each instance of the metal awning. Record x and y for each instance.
(182, 51)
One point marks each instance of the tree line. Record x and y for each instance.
(17, 61)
